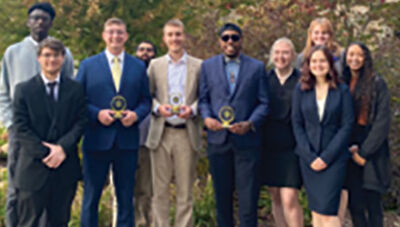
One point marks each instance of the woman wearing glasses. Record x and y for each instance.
(322, 118)
(368, 172)
(280, 165)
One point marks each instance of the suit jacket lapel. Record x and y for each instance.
(222, 74)
(41, 91)
(163, 78)
(107, 71)
(124, 74)
(331, 93)
(239, 76)
(312, 99)
(189, 79)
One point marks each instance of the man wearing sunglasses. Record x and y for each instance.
(20, 64)
(146, 51)
(238, 82)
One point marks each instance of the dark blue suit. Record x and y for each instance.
(114, 144)
(326, 139)
(234, 158)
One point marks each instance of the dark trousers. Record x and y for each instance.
(53, 198)
(234, 168)
(366, 208)
(11, 206)
(96, 165)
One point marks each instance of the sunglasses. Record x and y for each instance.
(234, 38)
(145, 49)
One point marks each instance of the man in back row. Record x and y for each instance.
(20, 64)
(145, 51)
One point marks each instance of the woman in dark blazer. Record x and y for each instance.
(368, 172)
(280, 165)
(322, 119)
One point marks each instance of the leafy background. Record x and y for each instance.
(79, 24)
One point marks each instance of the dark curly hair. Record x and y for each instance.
(307, 79)
(364, 88)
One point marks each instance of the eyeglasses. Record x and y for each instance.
(234, 38)
(111, 32)
(49, 55)
(148, 49)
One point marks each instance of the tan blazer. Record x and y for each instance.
(158, 73)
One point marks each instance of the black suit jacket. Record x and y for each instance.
(37, 118)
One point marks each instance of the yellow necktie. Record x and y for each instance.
(116, 72)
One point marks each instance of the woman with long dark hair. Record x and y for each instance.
(368, 172)
(322, 119)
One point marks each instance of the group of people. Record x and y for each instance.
(320, 120)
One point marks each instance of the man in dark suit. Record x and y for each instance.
(110, 140)
(49, 116)
(238, 81)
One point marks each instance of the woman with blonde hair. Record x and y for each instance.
(280, 165)
(320, 32)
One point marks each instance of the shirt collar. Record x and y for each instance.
(283, 78)
(235, 60)
(110, 56)
(182, 60)
(33, 41)
(46, 81)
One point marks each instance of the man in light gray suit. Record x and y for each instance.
(20, 64)
(175, 128)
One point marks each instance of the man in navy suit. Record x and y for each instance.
(111, 141)
(238, 81)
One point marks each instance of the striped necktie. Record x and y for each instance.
(116, 72)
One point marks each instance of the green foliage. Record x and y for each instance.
(79, 24)
(3, 196)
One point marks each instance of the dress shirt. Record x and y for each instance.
(176, 76)
(321, 108)
(176, 83)
(56, 87)
(232, 66)
(120, 57)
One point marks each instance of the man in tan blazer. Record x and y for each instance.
(175, 128)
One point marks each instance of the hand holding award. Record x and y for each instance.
(226, 116)
(118, 105)
(176, 100)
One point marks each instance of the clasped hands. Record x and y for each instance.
(106, 117)
(354, 149)
(56, 156)
(239, 128)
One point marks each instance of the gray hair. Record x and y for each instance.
(280, 40)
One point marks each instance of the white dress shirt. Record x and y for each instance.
(56, 87)
(110, 58)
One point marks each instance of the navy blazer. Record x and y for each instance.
(249, 98)
(328, 138)
(95, 76)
